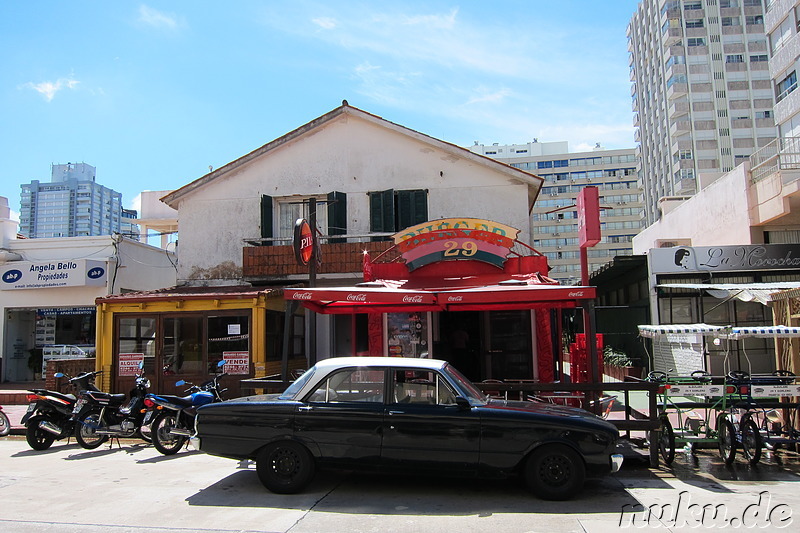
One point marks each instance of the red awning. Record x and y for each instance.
(371, 299)
(387, 299)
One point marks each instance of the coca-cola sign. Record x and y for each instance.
(360, 297)
(301, 296)
(455, 298)
(415, 299)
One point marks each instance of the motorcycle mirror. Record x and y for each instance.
(59, 374)
(221, 363)
(180, 383)
(141, 365)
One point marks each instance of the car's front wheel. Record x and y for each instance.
(555, 472)
(285, 467)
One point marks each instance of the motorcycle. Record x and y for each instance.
(49, 414)
(99, 416)
(173, 423)
(5, 423)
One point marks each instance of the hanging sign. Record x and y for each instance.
(456, 239)
(588, 206)
(303, 241)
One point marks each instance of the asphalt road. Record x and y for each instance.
(131, 487)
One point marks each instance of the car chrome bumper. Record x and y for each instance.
(616, 462)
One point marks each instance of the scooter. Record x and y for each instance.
(173, 423)
(5, 424)
(49, 415)
(100, 415)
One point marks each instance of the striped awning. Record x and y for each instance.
(764, 332)
(653, 331)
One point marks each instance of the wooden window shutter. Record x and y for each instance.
(337, 215)
(266, 218)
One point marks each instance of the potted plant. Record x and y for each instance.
(618, 364)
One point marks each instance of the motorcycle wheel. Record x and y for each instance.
(5, 425)
(163, 439)
(38, 439)
(146, 433)
(85, 431)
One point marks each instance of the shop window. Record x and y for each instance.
(391, 211)
(137, 335)
(183, 345)
(229, 338)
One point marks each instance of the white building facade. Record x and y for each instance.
(48, 289)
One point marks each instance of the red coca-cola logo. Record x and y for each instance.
(302, 296)
(361, 297)
(416, 299)
(455, 298)
(575, 294)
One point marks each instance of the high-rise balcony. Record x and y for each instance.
(678, 109)
(680, 127)
(676, 90)
(775, 181)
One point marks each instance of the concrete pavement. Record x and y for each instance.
(131, 487)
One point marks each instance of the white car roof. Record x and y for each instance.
(408, 362)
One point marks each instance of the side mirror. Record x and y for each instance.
(180, 383)
(141, 365)
(463, 404)
(221, 363)
(58, 375)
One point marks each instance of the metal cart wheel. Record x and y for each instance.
(727, 439)
(752, 443)
(666, 441)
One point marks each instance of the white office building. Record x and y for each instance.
(701, 90)
(554, 222)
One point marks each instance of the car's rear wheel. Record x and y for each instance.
(555, 472)
(285, 467)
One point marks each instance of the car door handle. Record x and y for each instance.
(304, 408)
(396, 412)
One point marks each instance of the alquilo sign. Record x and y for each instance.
(53, 274)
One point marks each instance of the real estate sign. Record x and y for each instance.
(52, 274)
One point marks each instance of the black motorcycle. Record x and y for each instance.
(173, 416)
(49, 415)
(99, 416)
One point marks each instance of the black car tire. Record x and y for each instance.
(285, 467)
(85, 432)
(555, 472)
(727, 439)
(752, 443)
(164, 441)
(666, 441)
(38, 439)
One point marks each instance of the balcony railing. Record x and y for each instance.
(781, 154)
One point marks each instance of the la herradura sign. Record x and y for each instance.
(452, 239)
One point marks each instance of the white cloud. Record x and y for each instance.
(326, 23)
(49, 89)
(486, 96)
(136, 204)
(14, 215)
(157, 19)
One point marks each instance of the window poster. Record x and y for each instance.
(129, 363)
(407, 334)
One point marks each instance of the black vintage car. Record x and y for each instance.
(406, 415)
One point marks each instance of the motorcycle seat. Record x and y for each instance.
(181, 401)
(111, 398)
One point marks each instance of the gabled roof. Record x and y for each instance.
(533, 181)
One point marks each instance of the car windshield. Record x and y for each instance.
(291, 390)
(471, 392)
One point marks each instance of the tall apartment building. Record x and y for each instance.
(781, 23)
(702, 95)
(73, 204)
(554, 222)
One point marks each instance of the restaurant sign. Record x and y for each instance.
(456, 239)
(685, 259)
(51, 274)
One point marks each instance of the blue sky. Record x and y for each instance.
(154, 93)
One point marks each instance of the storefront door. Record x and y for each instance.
(508, 345)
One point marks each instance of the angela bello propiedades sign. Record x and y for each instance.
(52, 274)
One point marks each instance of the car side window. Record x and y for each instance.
(350, 385)
(421, 387)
